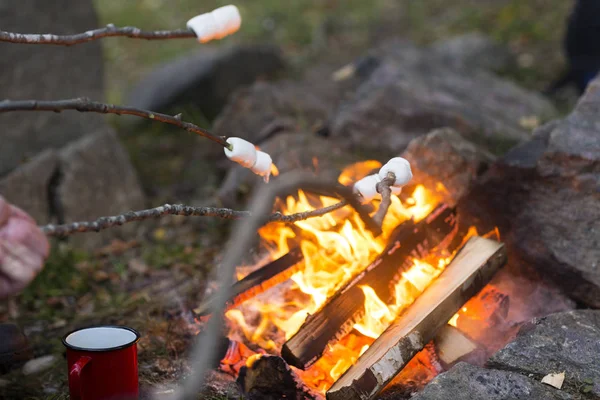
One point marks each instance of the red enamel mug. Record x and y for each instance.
(102, 363)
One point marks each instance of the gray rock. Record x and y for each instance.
(205, 78)
(38, 365)
(29, 186)
(444, 156)
(545, 197)
(465, 381)
(97, 179)
(471, 51)
(253, 110)
(402, 100)
(566, 342)
(45, 73)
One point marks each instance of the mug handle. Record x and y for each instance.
(75, 375)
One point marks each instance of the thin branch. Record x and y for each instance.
(384, 189)
(109, 30)
(177, 209)
(238, 244)
(83, 104)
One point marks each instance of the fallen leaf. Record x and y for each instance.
(555, 380)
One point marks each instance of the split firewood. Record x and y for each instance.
(337, 317)
(472, 268)
(452, 345)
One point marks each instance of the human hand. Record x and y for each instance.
(23, 249)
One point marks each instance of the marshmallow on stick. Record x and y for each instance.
(367, 186)
(244, 153)
(216, 24)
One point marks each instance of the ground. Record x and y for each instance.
(147, 284)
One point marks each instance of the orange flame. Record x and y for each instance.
(335, 247)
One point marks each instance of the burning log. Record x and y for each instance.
(336, 318)
(466, 275)
(259, 281)
(269, 377)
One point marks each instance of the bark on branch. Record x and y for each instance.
(83, 104)
(108, 30)
(177, 209)
(384, 189)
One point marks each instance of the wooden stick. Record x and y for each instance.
(259, 281)
(467, 274)
(337, 317)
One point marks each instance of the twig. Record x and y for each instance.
(177, 209)
(383, 188)
(243, 233)
(109, 30)
(83, 104)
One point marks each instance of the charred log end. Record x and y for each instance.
(269, 377)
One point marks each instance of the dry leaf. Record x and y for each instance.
(555, 380)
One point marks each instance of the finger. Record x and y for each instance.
(5, 211)
(22, 231)
(19, 264)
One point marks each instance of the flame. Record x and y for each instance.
(335, 247)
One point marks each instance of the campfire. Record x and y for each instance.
(348, 310)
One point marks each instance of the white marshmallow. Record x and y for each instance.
(396, 190)
(216, 24)
(367, 188)
(400, 167)
(263, 165)
(242, 152)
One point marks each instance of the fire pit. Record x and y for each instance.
(339, 313)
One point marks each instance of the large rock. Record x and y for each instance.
(96, 179)
(253, 110)
(467, 382)
(545, 197)
(444, 156)
(566, 342)
(205, 78)
(30, 185)
(408, 96)
(471, 51)
(45, 73)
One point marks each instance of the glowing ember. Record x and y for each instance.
(335, 247)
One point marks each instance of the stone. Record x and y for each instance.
(404, 99)
(38, 365)
(444, 156)
(471, 51)
(467, 382)
(96, 180)
(47, 73)
(545, 197)
(205, 78)
(29, 186)
(264, 104)
(564, 342)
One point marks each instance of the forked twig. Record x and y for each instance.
(384, 189)
(83, 104)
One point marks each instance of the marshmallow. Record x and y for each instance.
(367, 188)
(400, 167)
(263, 165)
(216, 24)
(242, 152)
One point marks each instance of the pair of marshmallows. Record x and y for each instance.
(366, 188)
(216, 24)
(245, 154)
